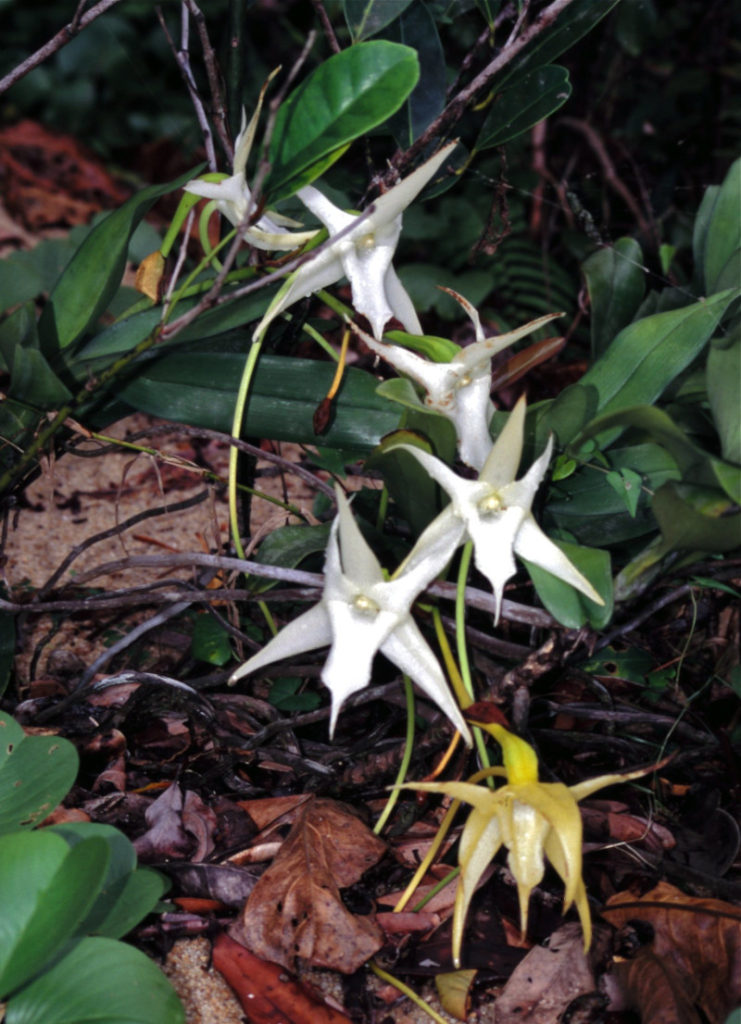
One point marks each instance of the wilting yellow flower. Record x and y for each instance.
(534, 820)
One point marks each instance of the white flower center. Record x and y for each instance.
(464, 381)
(490, 505)
(365, 606)
(366, 241)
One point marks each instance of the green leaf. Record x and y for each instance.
(352, 92)
(439, 350)
(569, 606)
(571, 24)
(616, 285)
(586, 506)
(290, 545)
(695, 521)
(366, 17)
(36, 772)
(33, 381)
(531, 99)
(627, 484)
(723, 371)
(100, 981)
(94, 272)
(412, 488)
(416, 29)
(722, 256)
(210, 641)
(642, 361)
(200, 388)
(46, 890)
(286, 695)
(125, 898)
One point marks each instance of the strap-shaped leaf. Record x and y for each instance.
(529, 100)
(200, 388)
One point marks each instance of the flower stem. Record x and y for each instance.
(404, 766)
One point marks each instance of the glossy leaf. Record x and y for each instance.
(344, 98)
(531, 99)
(94, 272)
(616, 284)
(366, 17)
(33, 381)
(36, 772)
(722, 255)
(199, 388)
(100, 981)
(416, 29)
(46, 889)
(685, 520)
(571, 608)
(127, 894)
(640, 363)
(585, 505)
(572, 23)
(723, 371)
(290, 545)
(210, 641)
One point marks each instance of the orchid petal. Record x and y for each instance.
(331, 216)
(393, 203)
(402, 306)
(410, 652)
(358, 561)
(503, 461)
(306, 633)
(534, 546)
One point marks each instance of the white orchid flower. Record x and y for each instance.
(363, 254)
(359, 614)
(495, 513)
(459, 390)
(233, 199)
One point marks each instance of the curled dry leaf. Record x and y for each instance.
(296, 910)
(267, 994)
(697, 938)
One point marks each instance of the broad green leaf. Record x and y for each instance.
(416, 29)
(36, 772)
(366, 17)
(210, 641)
(571, 608)
(46, 890)
(531, 99)
(352, 92)
(126, 334)
(616, 285)
(286, 694)
(691, 520)
(94, 273)
(700, 236)
(100, 981)
(722, 256)
(290, 545)
(571, 24)
(642, 361)
(723, 375)
(200, 388)
(124, 898)
(585, 506)
(33, 381)
(17, 331)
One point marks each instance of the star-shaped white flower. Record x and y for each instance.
(233, 199)
(363, 254)
(459, 390)
(359, 614)
(495, 513)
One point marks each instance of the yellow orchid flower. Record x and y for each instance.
(534, 820)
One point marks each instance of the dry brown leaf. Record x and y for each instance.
(698, 937)
(295, 910)
(267, 994)
(547, 981)
(653, 986)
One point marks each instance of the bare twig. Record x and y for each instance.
(64, 36)
(456, 107)
(182, 59)
(326, 25)
(218, 104)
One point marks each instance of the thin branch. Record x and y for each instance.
(455, 108)
(327, 26)
(182, 59)
(214, 79)
(64, 36)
